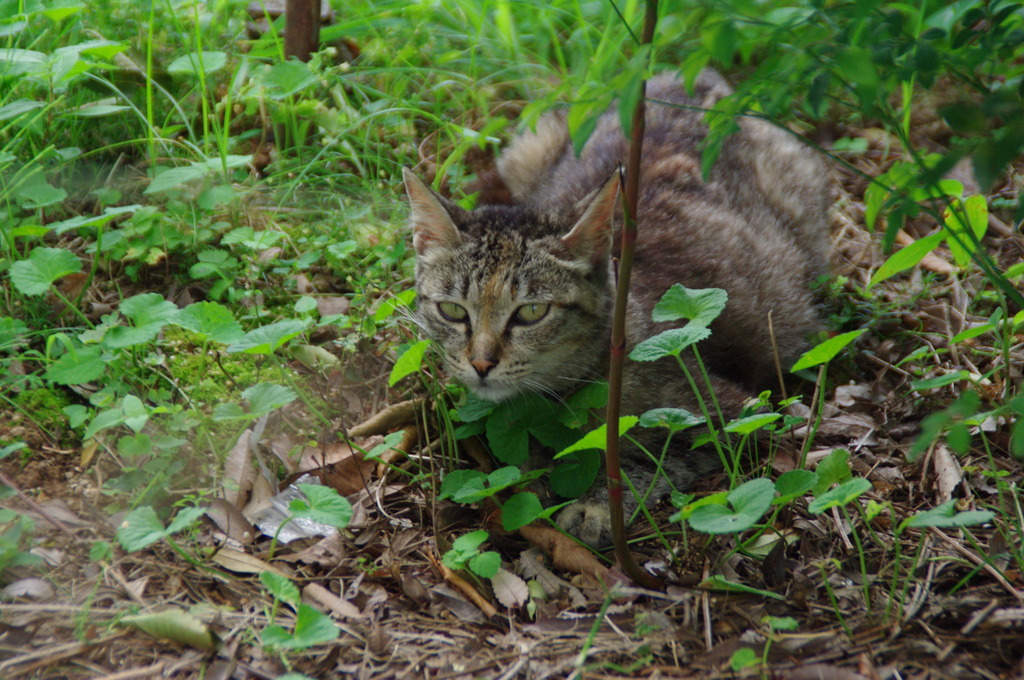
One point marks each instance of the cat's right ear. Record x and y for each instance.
(591, 237)
(432, 226)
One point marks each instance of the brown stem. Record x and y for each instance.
(618, 342)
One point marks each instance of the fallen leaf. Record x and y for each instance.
(948, 474)
(391, 418)
(238, 468)
(231, 521)
(176, 625)
(29, 589)
(326, 598)
(565, 552)
(510, 590)
(244, 563)
(330, 306)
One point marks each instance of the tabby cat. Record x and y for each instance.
(519, 296)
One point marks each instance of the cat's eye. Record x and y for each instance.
(531, 313)
(452, 311)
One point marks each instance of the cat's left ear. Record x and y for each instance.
(591, 237)
(432, 225)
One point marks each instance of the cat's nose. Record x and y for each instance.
(483, 366)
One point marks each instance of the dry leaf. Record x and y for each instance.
(948, 474)
(391, 418)
(244, 563)
(565, 552)
(329, 306)
(337, 605)
(231, 521)
(239, 470)
(510, 590)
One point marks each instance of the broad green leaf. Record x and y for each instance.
(794, 484)
(575, 473)
(457, 480)
(475, 408)
(409, 362)
(312, 627)
(325, 505)
(749, 502)
(176, 625)
(135, 445)
(945, 516)
(578, 404)
(464, 548)
(230, 411)
(266, 397)
(98, 110)
(286, 78)
(392, 304)
(751, 423)
(149, 313)
(486, 564)
(843, 494)
(139, 529)
(520, 510)
(744, 657)
(58, 10)
(35, 275)
(597, 438)
(148, 308)
(832, 469)
(198, 62)
(19, 107)
(507, 435)
(92, 220)
(826, 351)
(135, 412)
(906, 257)
(275, 637)
(267, 339)
(391, 441)
(252, 238)
(669, 343)
(675, 419)
(175, 177)
(976, 210)
(700, 306)
(855, 64)
(77, 367)
(211, 320)
(280, 587)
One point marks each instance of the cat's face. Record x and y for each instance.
(517, 302)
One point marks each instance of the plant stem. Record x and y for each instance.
(618, 342)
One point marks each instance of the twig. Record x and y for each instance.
(993, 572)
(618, 342)
(7, 481)
(461, 584)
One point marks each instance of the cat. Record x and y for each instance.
(518, 297)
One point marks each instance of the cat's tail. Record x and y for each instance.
(531, 156)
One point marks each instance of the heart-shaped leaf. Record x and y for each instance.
(700, 306)
(749, 502)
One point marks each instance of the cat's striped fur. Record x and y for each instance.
(519, 296)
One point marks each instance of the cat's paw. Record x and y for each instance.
(588, 520)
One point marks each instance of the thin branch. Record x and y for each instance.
(618, 341)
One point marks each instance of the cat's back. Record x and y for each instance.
(756, 227)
